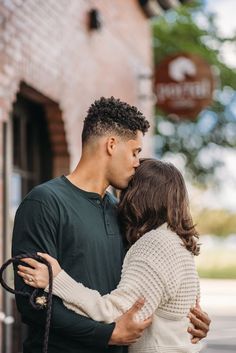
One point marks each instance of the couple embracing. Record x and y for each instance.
(124, 272)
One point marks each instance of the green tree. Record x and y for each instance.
(218, 222)
(178, 32)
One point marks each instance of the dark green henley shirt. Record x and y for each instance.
(81, 230)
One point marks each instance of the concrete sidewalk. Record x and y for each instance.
(218, 299)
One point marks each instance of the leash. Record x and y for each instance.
(37, 302)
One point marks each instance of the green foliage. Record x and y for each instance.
(178, 32)
(219, 222)
(218, 273)
(216, 263)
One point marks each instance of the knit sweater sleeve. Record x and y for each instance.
(142, 278)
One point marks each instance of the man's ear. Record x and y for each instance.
(111, 144)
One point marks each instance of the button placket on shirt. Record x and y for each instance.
(107, 223)
(109, 228)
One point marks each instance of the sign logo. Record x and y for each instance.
(181, 68)
(184, 85)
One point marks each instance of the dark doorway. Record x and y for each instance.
(28, 161)
(35, 150)
(32, 152)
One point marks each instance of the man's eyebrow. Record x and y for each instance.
(139, 149)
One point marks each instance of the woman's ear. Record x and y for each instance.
(111, 144)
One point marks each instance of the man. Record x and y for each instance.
(74, 219)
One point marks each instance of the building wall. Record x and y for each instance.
(48, 45)
(1, 228)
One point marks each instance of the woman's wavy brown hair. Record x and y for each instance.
(157, 194)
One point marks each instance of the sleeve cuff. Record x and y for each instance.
(105, 331)
(63, 286)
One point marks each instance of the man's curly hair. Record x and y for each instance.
(108, 115)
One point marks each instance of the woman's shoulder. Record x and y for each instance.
(161, 235)
(159, 240)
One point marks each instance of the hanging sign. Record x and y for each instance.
(184, 85)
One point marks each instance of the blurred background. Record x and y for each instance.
(175, 61)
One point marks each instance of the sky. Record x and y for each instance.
(225, 11)
(225, 195)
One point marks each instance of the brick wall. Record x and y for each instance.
(1, 188)
(47, 45)
(1, 210)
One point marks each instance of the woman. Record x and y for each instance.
(159, 266)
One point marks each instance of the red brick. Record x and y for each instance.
(48, 45)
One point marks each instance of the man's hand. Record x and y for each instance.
(127, 330)
(201, 323)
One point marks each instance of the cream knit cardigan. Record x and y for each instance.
(158, 268)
